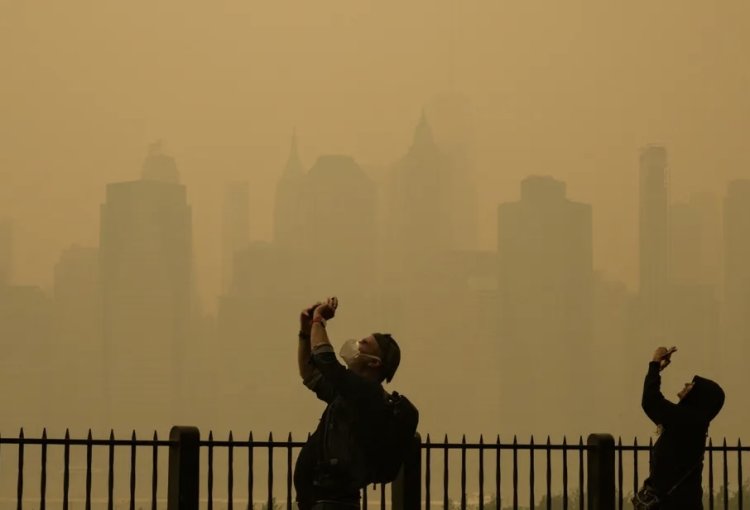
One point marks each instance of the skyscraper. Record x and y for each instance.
(288, 214)
(145, 272)
(545, 277)
(77, 332)
(235, 227)
(653, 236)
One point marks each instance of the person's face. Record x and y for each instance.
(685, 390)
(369, 346)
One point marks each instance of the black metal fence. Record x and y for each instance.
(247, 473)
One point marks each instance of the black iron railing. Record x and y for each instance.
(248, 473)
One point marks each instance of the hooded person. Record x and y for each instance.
(676, 466)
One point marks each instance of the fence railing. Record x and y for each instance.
(248, 473)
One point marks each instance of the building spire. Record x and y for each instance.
(423, 133)
(293, 163)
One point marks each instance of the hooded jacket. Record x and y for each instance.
(678, 453)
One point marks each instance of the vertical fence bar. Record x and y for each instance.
(132, 471)
(289, 472)
(532, 498)
(66, 471)
(463, 472)
(270, 472)
(498, 498)
(19, 485)
(210, 480)
(710, 474)
(43, 481)
(111, 471)
(636, 483)
(549, 475)
(250, 470)
(619, 473)
(89, 451)
(725, 474)
(445, 473)
(581, 487)
(382, 497)
(601, 472)
(183, 489)
(515, 472)
(481, 472)
(427, 474)
(565, 472)
(740, 488)
(154, 471)
(230, 472)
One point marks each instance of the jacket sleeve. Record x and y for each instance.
(660, 410)
(342, 381)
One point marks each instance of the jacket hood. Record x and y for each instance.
(706, 398)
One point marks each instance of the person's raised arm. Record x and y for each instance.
(660, 410)
(306, 368)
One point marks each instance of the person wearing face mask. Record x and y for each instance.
(336, 462)
(676, 466)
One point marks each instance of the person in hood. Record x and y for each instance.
(677, 457)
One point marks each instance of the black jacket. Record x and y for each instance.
(334, 464)
(679, 450)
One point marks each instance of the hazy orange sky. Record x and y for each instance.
(567, 88)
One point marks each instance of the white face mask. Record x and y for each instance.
(350, 352)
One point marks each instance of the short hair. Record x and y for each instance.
(390, 354)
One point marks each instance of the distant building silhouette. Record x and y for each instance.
(77, 332)
(653, 248)
(158, 166)
(145, 271)
(453, 128)
(6, 250)
(545, 278)
(26, 365)
(288, 213)
(340, 230)
(235, 227)
(693, 306)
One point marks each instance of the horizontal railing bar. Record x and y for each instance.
(84, 442)
(261, 444)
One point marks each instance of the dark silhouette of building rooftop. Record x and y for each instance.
(158, 166)
(537, 188)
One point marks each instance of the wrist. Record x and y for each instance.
(319, 319)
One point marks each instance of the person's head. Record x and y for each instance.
(377, 357)
(704, 396)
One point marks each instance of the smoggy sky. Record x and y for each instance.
(567, 88)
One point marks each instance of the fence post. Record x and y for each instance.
(601, 472)
(406, 489)
(184, 457)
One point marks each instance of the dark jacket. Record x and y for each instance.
(334, 464)
(679, 450)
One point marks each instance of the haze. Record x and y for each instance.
(508, 89)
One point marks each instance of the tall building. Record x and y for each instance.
(288, 213)
(653, 236)
(545, 278)
(692, 306)
(6, 248)
(145, 274)
(340, 231)
(235, 227)
(78, 342)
